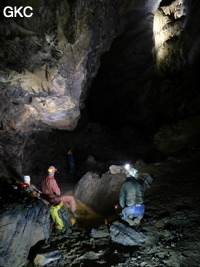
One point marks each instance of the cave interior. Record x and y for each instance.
(114, 82)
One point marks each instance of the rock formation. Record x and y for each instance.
(132, 66)
(129, 60)
(24, 221)
(99, 193)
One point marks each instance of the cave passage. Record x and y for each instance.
(115, 82)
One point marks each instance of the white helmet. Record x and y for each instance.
(132, 171)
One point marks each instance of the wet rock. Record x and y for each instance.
(99, 233)
(22, 226)
(89, 183)
(116, 169)
(90, 255)
(102, 192)
(146, 179)
(42, 259)
(160, 224)
(126, 236)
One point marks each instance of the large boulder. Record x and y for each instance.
(23, 222)
(124, 235)
(99, 193)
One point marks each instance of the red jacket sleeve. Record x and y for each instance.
(54, 186)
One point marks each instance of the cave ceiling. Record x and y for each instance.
(127, 62)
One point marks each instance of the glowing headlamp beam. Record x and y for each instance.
(127, 166)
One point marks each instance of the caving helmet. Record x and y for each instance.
(132, 171)
(51, 170)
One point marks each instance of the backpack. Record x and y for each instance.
(61, 218)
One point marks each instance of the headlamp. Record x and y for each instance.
(127, 166)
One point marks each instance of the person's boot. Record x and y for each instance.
(136, 221)
(127, 219)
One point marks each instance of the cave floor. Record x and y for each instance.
(171, 223)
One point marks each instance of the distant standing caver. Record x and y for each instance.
(71, 163)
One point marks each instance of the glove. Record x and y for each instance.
(116, 206)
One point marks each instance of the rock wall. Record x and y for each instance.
(118, 92)
(132, 60)
(149, 77)
(176, 36)
(99, 193)
(23, 222)
(47, 64)
(174, 93)
(48, 61)
(168, 26)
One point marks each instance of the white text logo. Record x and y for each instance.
(10, 12)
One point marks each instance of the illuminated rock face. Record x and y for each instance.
(48, 61)
(168, 26)
(176, 36)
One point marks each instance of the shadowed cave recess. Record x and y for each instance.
(114, 81)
